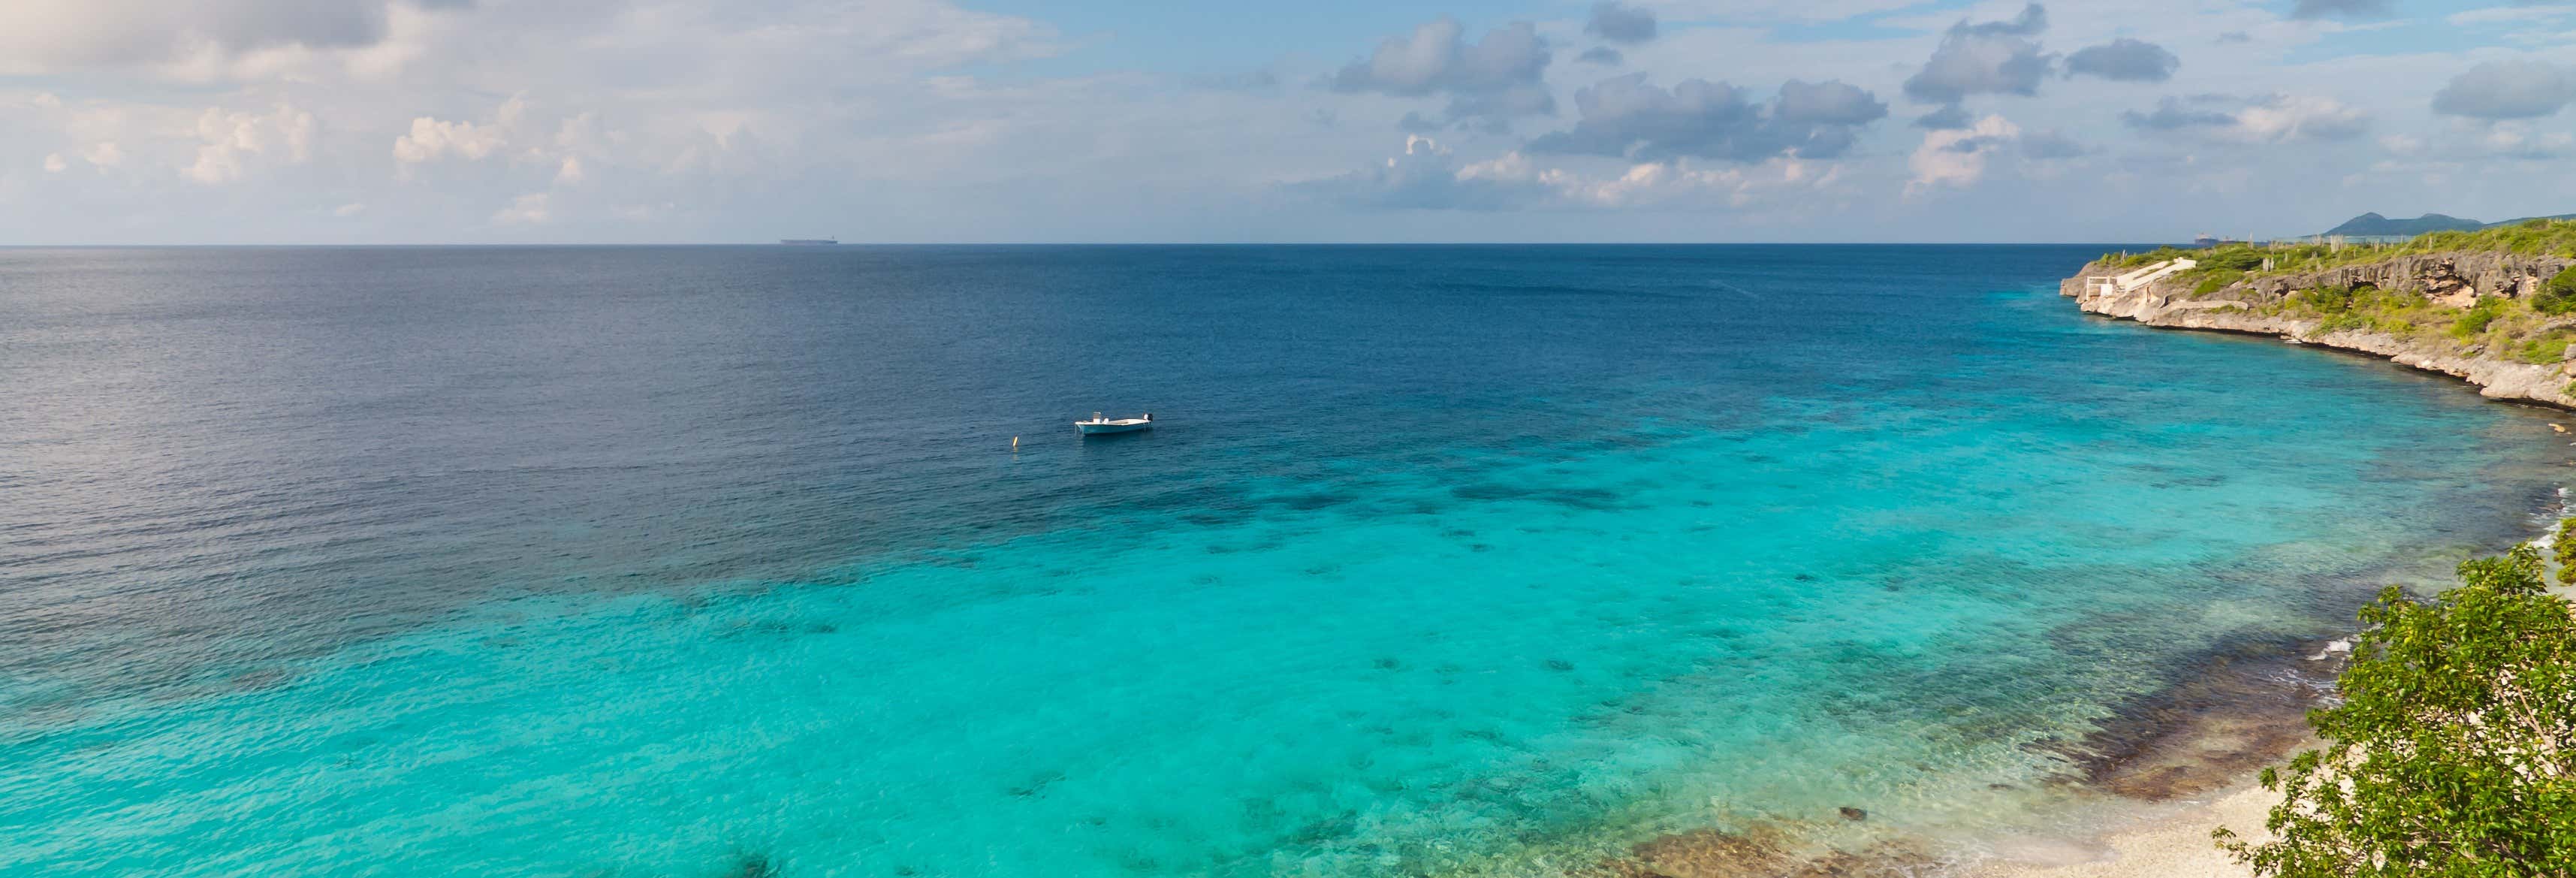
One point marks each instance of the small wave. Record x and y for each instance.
(1716, 284)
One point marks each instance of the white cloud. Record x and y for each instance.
(2518, 141)
(1496, 78)
(1957, 157)
(2509, 15)
(1426, 177)
(39, 36)
(531, 209)
(431, 139)
(350, 209)
(2281, 118)
(2507, 90)
(54, 163)
(232, 139)
(913, 119)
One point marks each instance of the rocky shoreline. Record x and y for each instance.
(2456, 279)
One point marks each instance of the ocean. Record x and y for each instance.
(1440, 560)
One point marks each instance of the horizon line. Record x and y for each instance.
(961, 244)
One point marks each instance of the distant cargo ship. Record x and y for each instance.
(809, 240)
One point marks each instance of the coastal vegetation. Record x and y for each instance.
(2533, 331)
(2450, 748)
(2453, 749)
(2536, 327)
(2540, 237)
(2562, 546)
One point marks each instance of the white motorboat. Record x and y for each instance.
(1098, 424)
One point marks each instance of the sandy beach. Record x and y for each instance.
(2171, 844)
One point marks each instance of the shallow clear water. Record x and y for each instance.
(665, 561)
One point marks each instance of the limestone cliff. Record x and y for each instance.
(2257, 305)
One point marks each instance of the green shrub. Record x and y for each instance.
(2557, 295)
(2453, 750)
(2563, 545)
(2216, 281)
(2151, 257)
(2477, 318)
(2237, 258)
(2544, 350)
(2533, 238)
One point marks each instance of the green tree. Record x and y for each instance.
(2453, 752)
(2557, 295)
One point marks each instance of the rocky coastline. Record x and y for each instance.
(2251, 306)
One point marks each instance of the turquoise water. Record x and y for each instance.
(1773, 531)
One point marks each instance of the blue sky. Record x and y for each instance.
(596, 121)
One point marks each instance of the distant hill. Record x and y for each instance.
(2374, 224)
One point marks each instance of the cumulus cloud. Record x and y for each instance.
(1946, 118)
(535, 208)
(39, 35)
(2507, 90)
(1603, 55)
(1627, 117)
(229, 140)
(1995, 57)
(2173, 114)
(2279, 118)
(1679, 183)
(1957, 158)
(1621, 23)
(1496, 78)
(1427, 177)
(2341, 8)
(2275, 118)
(2509, 140)
(2046, 145)
(431, 139)
(2124, 60)
(55, 163)
(757, 92)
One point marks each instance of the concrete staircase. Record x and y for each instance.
(2112, 285)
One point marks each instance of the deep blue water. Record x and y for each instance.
(660, 561)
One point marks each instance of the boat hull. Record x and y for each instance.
(1089, 429)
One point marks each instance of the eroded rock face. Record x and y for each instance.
(2460, 275)
(2455, 279)
(2234, 309)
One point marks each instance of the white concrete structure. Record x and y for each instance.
(2114, 285)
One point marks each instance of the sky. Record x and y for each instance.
(972, 121)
